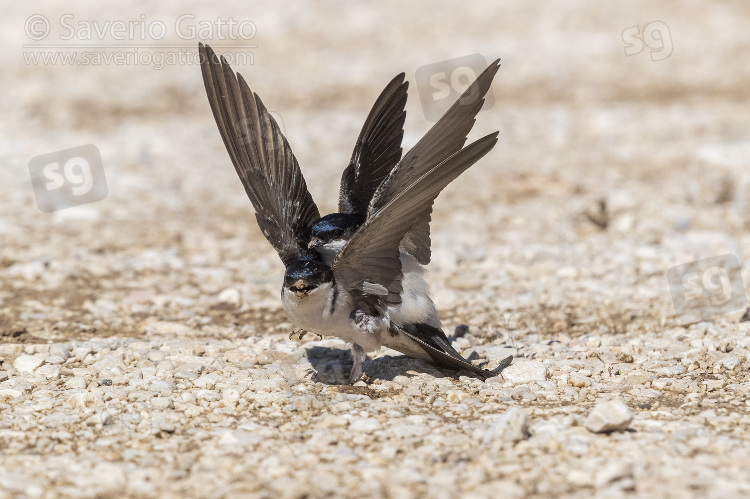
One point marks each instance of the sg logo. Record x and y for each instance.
(440, 84)
(655, 36)
(67, 178)
(708, 287)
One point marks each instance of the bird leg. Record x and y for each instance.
(297, 334)
(359, 356)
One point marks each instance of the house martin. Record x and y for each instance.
(361, 291)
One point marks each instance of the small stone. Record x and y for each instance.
(156, 355)
(61, 350)
(54, 359)
(525, 371)
(207, 381)
(332, 421)
(189, 371)
(231, 395)
(625, 358)
(76, 383)
(455, 395)
(674, 370)
(578, 381)
(730, 362)
(607, 416)
(28, 363)
(580, 478)
(166, 426)
(269, 357)
(81, 352)
(511, 426)
(230, 297)
(165, 365)
(208, 395)
(49, 371)
(189, 375)
(105, 382)
(105, 417)
(661, 383)
(162, 403)
(9, 394)
(365, 425)
(162, 387)
(138, 396)
(613, 472)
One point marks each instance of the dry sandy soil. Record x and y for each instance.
(143, 349)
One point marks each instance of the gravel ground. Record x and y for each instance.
(143, 349)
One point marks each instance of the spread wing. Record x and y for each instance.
(445, 138)
(369, 263)
(378, 149)
(262, 157)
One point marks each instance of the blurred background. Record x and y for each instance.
(623, 144)
(613, 210)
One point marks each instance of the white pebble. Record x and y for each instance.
(81, 352)
(231, 395)
(61, 350)
(365, 425)
(28, 363)
(156, 355)
(525, 371)
(611, 415)
(613, 472)
(511, 426)
(231, 297)
(9, 394)
(162, 403)
(209, 395)
(76, 383)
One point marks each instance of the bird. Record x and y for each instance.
(355, 292)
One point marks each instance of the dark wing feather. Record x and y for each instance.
(445, 138)
(262, 157)
(370, 263)
(447, 357)
(378, 149)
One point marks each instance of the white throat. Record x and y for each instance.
(329, 251)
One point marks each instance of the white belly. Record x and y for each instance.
(416, 305)
(316, 312)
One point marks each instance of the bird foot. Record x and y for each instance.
(300, 333)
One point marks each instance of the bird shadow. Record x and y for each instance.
(332, 366)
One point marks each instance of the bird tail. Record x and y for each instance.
(430, 344)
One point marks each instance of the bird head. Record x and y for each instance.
(334, 229)
(303, 277)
